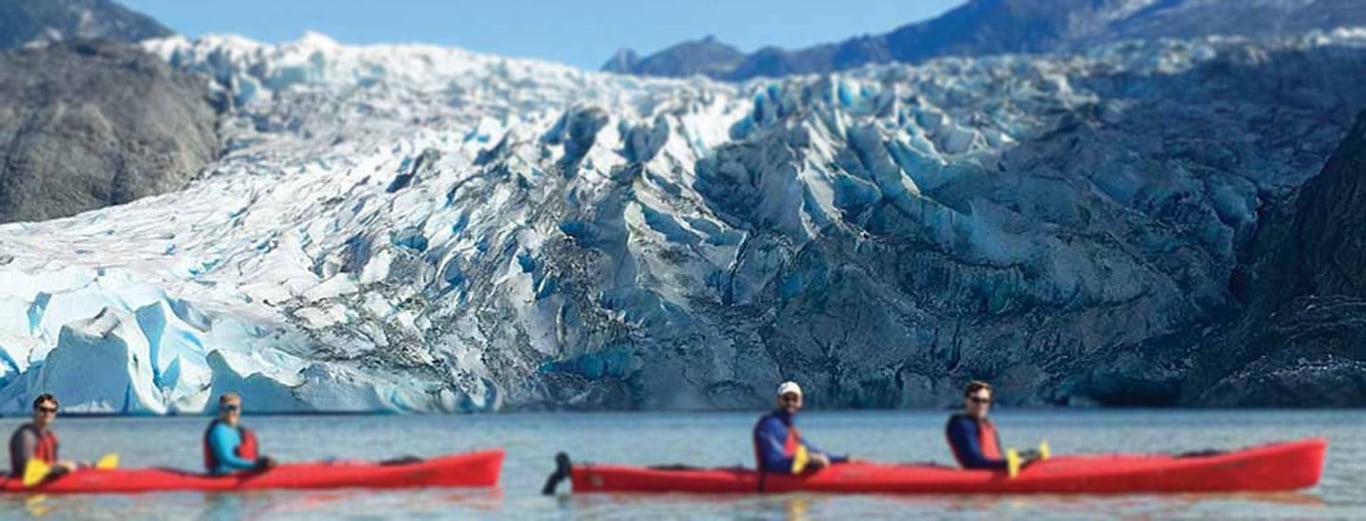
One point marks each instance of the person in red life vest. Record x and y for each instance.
(973, 437)
(229, 447)
(35, 440)
(778, 446)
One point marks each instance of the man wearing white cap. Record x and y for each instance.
(778, 446)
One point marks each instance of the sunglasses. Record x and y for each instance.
(229, 408)
(978, 400)
(790, 397)
(46, 410)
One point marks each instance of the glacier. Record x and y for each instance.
(418, 228)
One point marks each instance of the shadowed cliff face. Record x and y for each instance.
(86, 124)
(989, 27)
(1302, 338)
(1326, 254)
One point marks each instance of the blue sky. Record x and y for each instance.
(578, 32)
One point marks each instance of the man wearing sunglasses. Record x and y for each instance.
(972, 436)
(36, 440)
(229, 447)
(778, 446)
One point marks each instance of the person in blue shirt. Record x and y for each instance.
(229, 447)
(973, 437)
(778, 446)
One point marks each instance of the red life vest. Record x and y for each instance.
(247, 450)
(793, 441)
(46, 449)
(987, 439)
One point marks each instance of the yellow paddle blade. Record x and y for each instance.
(1044, 451)
(1013, 462)
(800, 459)
(35, 472)
(107, 462)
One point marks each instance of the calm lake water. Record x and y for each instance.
(708, 439)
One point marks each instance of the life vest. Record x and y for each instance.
(247, 449)
(987, 438)
(792, 448)
(44, 450)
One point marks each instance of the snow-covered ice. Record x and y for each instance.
(417, 228)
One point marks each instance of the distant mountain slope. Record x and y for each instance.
(983, 27)
(26, 21)
(706, 56)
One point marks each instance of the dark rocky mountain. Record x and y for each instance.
(985, 27)
(1302, 338)
(86, 124)
(31, 21)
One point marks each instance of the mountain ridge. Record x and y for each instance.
(988, 27)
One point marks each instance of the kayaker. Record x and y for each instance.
(36, 439)
(229, 447)
(972, 436)
(778, 446)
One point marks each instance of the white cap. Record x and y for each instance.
(789, 387)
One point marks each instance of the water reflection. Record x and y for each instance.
(257, 505)
(350, 502)
(806, 506)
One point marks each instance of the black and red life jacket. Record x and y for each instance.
(46, 450)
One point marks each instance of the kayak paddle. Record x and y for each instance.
(800, 459)
(563, 469)
(1014, 461)
(35, 471)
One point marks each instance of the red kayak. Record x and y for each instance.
(1276, 467)
(476, 469)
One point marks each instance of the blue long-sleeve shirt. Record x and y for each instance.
(223, 443)
(770, 437)
(963, 434)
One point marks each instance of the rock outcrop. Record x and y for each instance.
(86, 124)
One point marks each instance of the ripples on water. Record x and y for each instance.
(719, 439)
